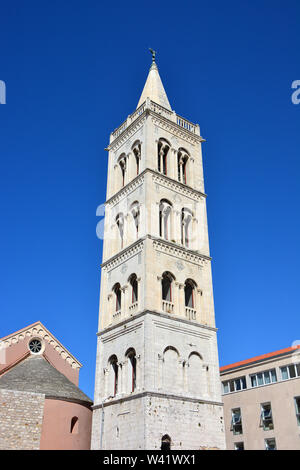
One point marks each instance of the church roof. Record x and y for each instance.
(37, 375)
(154, 89)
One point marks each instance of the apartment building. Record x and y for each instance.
(261, 399)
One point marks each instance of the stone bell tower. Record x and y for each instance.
(157, 373)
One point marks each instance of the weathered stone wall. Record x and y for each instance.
(190, 425)
(141, 423)
(21, 415)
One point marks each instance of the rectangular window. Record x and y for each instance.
(290, 372)
(284, 373)
(236, 421)
(270, 444)
(263, 378)
(253, 381)
(266, 418)
(297, 406)
(234, 385)
(273, 375)
(260, 380)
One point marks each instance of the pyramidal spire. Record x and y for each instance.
(154, 88)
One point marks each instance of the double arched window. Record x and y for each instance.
(124, 297)
(167, 228)
(127, 228)
(168, 297)
(121, 376)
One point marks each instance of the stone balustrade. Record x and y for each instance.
(168, 307)
(158, 109)
(190, 313)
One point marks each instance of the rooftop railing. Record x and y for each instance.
(158, 109)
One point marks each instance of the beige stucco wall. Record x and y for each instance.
(56, 430)
(281, 396)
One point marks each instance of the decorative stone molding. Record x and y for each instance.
(181, 253)
(127, 133)
(176, 130)
(38, 330)
(127, 253)
(178, 187)
(124, 192)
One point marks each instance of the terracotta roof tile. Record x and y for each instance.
(262, 357)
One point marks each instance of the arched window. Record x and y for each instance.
(118, 294)
(186, 225)
(120, 225)
(182, 160)
(163, 148)
(166, 284)
(114, 370)
(131, 356)
(195, 374)
(74, 425)
(135, 211)
(165, 211)
(136, 149)
(134, 288)
(189, 293)
(165, 443)
(172, 376)
(122, 165)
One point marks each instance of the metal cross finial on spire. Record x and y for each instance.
(153, 54)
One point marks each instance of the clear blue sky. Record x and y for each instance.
(74, 70)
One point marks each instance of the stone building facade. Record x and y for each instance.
(262, 401)
(41, 406)
(157, 373)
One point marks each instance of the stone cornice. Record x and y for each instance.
(174, 184)
(177, 130)
(150, 108)
(125, 254)
(161, 245)
(169, 396)
(169, 182)
(179, 251)
(157, 314)
(128, 132)
(127, 189)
